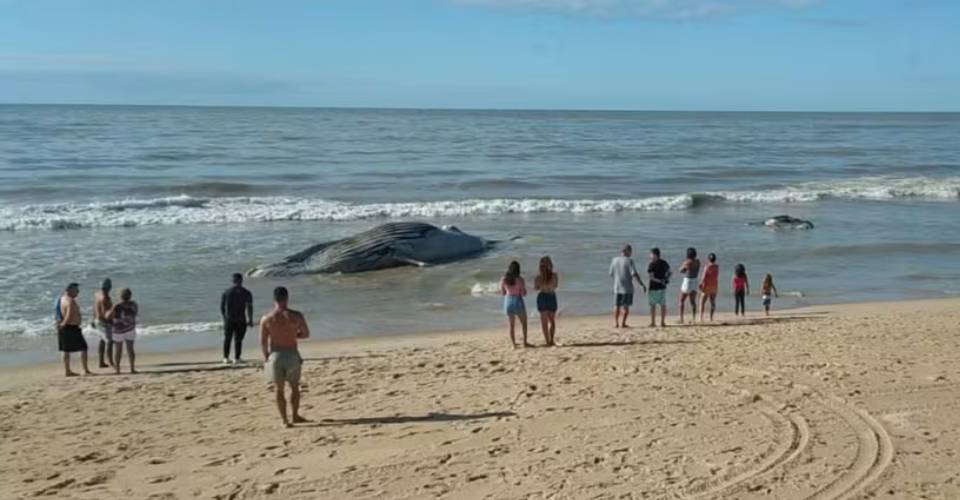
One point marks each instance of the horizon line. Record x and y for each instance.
(492, 109)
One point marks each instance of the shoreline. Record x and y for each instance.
(28, 372)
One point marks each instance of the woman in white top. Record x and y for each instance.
(124, 318)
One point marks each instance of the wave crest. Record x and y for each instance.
(186, 209)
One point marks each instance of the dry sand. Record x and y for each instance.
(855, 401)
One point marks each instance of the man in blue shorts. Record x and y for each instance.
(623, 271)
(659, 273)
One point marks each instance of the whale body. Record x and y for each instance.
(388, 245)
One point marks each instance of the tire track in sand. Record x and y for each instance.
(874, 446)
(874, 453)
(784, 453)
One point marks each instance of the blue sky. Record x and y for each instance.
(567, 54)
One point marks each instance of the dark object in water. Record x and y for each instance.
(784, 222)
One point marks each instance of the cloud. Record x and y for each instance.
(653, 9)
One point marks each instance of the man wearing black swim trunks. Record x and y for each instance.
(69, 334)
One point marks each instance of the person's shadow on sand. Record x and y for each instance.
(404, 419)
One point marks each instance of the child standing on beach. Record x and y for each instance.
(766, 289)
(546, 283)
(741, 288)
(513, 289)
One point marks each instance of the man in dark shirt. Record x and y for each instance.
(236, 308)
(659, 272)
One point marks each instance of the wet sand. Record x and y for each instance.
(853, 401)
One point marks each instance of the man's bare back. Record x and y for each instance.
(279, 332)
(280, 329)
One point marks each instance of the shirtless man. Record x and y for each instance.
(102, 304)
(279, 332)
(69, 334)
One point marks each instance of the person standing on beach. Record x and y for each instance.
(767, 288)
(623, 271)
(741, 288)
(546, 283)
(690, 269)
(102, 304)
(124, 318)
(69, 333)
(709, 285)
(280, 330)
(236, 308)
(659, 275)
(514, 289)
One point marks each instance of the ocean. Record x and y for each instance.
(169, 201)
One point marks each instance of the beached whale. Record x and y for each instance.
(385, 246)
(784, 222)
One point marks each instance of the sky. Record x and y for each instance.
(799, 55)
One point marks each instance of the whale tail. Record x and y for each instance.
(511, 239)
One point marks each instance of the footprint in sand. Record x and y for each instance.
(98, 479)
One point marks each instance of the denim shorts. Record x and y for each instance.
(624, 299)
(513, 304)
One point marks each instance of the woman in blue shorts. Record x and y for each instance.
(513, 289)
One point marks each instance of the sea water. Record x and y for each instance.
(169, 201)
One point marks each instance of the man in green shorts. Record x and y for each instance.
(659, 271)
(279, 331)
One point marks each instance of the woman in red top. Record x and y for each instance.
(709, 285)
(741, 288)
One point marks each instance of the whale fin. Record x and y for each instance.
(412, 262)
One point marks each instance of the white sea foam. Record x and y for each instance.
(485, 289)
(176, 328)
(45, 326)
(195, 210)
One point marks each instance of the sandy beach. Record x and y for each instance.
(853, 401)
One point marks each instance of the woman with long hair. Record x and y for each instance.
(513, 289)
(546, 283)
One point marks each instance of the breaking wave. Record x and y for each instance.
(185, 209)
(44, 327)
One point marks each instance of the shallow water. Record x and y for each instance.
(169, 201)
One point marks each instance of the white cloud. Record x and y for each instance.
(658, 9)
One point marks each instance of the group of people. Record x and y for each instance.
(282, 327)
(698, 279)
(116, 324)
